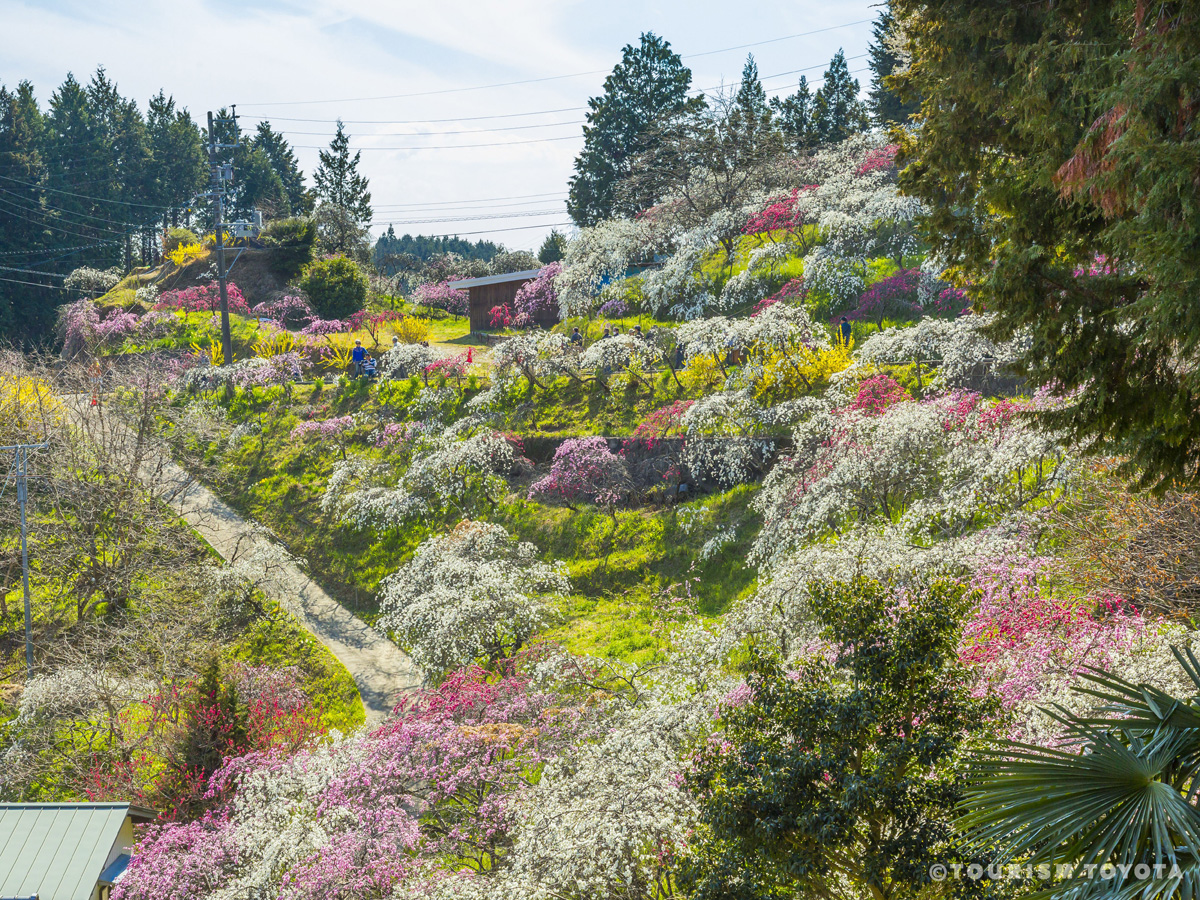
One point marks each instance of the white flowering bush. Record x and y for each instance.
(92, 282)
(936, 468)
(458, 468)
(957, 347)
(475, 594)
(599, 254)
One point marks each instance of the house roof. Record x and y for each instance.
(56, 850)
(526, 275)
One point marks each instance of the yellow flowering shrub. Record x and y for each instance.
(411, 330)
(186, 253)
(275, 344)
(799, 370)
(700, 374)
(26, 403)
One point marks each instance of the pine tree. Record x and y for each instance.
(1076, 218)
(837, 111)
(887, 108)
(553, 248)
(794, 116)
(179, 165)
(649, 85)
(344, 195)
(283, 161)
(751, 116)
(25, 310)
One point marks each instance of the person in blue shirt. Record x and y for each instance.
(847, 330)
(369, 368)
(359, 356)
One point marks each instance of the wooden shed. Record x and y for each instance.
(497, 290)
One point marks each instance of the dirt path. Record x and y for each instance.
(381, 670)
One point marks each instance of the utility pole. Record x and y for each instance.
(221, 174)
(20, 461)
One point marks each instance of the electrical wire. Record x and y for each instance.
(53, 287)
(481, 87)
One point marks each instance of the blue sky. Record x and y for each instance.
(391, 69)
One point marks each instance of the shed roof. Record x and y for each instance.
(525, 275)
(56, 850)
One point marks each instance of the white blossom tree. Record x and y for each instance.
(475, 594)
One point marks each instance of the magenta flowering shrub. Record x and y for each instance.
(204, 298)
(325, 430)
(439, 295)
(783, 214)
(584, 469)
(1029, 645)
(501, 316)
(286, 309)
(793, 291)
(324, 327)
(435, 790)
(879, 160)
(893, 297)
(537, 297)
(449, 366)
(877, 393)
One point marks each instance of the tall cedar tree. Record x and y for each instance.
(87, 182)
(794, 116)
(887, 108)
(25, 310)
(751, 113)
(339, 184)
(837, 110)
(650, 84)
(283, 161)
(1076, 219)
(553, 248)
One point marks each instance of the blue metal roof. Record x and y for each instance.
(56, 850)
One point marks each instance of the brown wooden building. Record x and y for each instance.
(497, 290)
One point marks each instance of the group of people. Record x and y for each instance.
(365, 365)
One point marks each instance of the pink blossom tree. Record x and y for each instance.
(537, 298)
(439, 295)
(584, 469)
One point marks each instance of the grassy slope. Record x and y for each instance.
(616, 563)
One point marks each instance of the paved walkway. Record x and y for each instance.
(381, 670)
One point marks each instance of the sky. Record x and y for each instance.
(468, 113)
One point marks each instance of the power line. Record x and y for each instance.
(498, 230)
(32, 272)
(84, 196)
(480, 199)
(517, 215)
(569, 137)
(574, 122)
(482, 87)
(53, 287)
(540, 112)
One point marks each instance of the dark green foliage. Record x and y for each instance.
(177, 236)
(844, 775)
(424, 248)
(887, 107)
(340, 186)
(751, 115)
(283, 162)
(336, 287)
(291, 243)
(794, 116)
(837, 111)
(1120, 791)
(216, 724)
(553, 248)
(1058, 157)
(648, 86)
